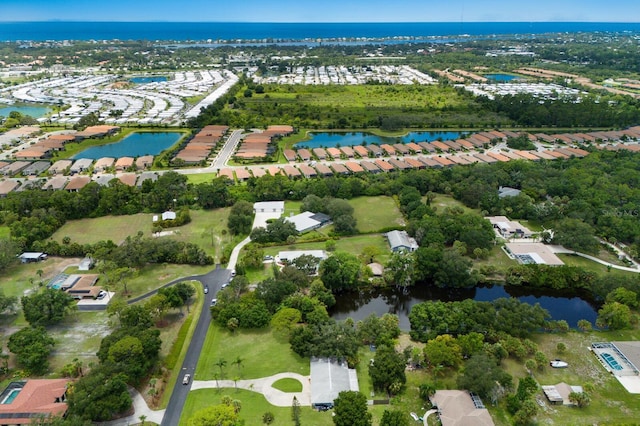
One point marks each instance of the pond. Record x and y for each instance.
(359, 305)
(502, 78)
(334, 139)
(134, 145)
(33, 111)
(147, 80)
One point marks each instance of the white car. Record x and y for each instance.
(558, 364)
(186, 379)
(214, 302)
(206, 290)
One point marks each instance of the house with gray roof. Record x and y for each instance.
(401, 241)
(36, 168)
(505, 191)
(308, 221)
(329, 378)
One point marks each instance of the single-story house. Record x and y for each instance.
(509, 229)
(460, 408)
(328, 379)
(505, 191)
(31, 257)
(289, 257)
(268, 207)
(559, 394)
(25, 401)
(308, 221)
(401, 241)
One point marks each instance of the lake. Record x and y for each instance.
(359, 305)
(147, 80)
(334, 139)
(134, 145)
(33, 111)
(502, 78)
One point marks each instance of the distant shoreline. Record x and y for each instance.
(272, 33)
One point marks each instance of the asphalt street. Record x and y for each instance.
(214, 281)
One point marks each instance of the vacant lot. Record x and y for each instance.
(207, 229)
(360, 107)
(376, 213)
(114, 228)
(271, 356)
(201, 178)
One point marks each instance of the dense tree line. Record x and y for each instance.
(430, 319)
(587, 111)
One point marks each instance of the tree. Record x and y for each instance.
(481, 374)
(32, 346)
(350, 409)
(585, 325)
(47, 307)
(614, 315)
(216, 415)
(387, 369)
(221, 363)
(295, 411)
(576, 235)
(624, 296)
(285, 320)
(443, 350)
(580, 399)
(9, 250)
(8, 303)
(268, 418)
(240, 218)
(394, 418)
(340, 272)
(400, 269)
(99, 395)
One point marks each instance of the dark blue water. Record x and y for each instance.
(331, 139)
(391, 300)
(180, 31)
(147, 80)
(134, 145)
(502, 78)
(33, 111)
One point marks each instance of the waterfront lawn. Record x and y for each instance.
(591, 266)
(610, 402)
(253, 406)
(114, 228)
(271, 356)
(354, 245)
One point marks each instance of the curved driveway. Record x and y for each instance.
(265, 386)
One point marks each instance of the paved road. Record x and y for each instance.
(227, 150)
(214, 281)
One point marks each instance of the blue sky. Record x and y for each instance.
(321, 11)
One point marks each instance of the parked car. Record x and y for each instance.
(186, 379)
(206, 290)
(214, 302)
(558, 364)
(224, 285)
(101, 295)
(233, 272)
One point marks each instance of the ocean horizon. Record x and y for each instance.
(271, 32)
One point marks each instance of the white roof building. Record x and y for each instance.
(308, 221)
(268, 207)
(401, 241)
(290, 256)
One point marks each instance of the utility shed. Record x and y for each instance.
(328, 379)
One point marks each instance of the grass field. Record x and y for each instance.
(207, 229)
(376, 213)
(114, 228)
(201, 178)
(591, 266)
(288, 385)
(360, 107)
(254, 405)
(5, 232)
(271, 356)
(443, 201)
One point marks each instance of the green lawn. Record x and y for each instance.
(5, 232)
(610, 402)
(443, 201)
(376, 213)
(114, 228)
(288, 385)
(201, 178)
(591, 266)
(254, 405)
(261, 352)
(207, 229)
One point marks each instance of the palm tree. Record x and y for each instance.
(221, 363)
(142, 419)
(238, 361)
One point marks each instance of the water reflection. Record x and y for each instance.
(358, 305)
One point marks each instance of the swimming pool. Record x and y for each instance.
(611, 361)
(57, 281)
(11, 396)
